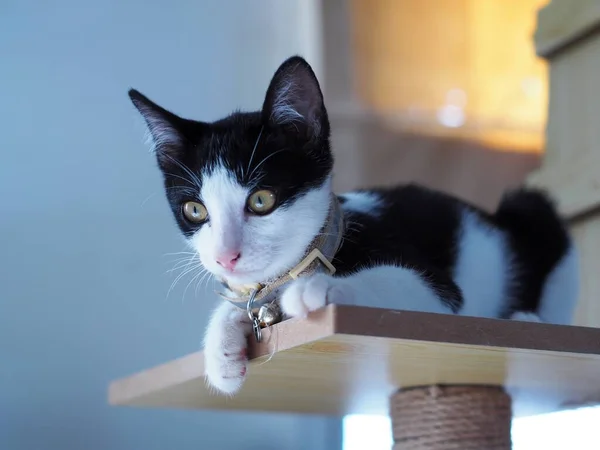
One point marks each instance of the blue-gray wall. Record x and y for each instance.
(83, 224)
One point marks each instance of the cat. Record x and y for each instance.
(253, 191)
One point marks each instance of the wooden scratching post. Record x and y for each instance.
(451, 417)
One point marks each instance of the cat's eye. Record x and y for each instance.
(195, 212)
(261, 202)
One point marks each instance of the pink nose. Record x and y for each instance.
(228, 260)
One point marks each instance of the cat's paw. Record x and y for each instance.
(226, 355)
(311, 293)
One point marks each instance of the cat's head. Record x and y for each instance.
(250, 191)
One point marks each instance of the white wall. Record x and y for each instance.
(83, 223)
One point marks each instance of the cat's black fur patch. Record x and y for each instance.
(538, 240)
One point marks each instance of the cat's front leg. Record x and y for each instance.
(311, 293)
(225, 348)
(385, 286)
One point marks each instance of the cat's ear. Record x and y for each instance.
(294, 100)
(165, 128)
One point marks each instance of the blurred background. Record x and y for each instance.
(447, 93)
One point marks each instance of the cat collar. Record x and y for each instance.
(260, 299)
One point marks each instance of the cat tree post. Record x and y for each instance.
(451, 417)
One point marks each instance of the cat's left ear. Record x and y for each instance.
(166, 129)
(294, 101)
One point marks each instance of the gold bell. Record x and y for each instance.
(269, 315)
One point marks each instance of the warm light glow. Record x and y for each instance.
(464, 68)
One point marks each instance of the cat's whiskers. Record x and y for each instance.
(180, 253)
(183, 261)
(181, 264)
(188, 262)
(146, 200)
(186, 271)
(192, 192)
(194, 178)
(200, 272)
(183, 179)
(244, 172)
(205, 278)
(265, 159)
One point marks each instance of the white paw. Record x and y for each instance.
(226, 352)
(525, 317)
(311, 293)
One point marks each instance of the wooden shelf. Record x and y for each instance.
(346, 359)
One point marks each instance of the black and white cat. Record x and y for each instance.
(250, 192)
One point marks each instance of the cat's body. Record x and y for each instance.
(478, 264)
(250, 193)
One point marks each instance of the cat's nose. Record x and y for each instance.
(228, 260)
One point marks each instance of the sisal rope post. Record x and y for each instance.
(451, 418)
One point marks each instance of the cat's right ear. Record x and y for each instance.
(294, 101)
(165, 128)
